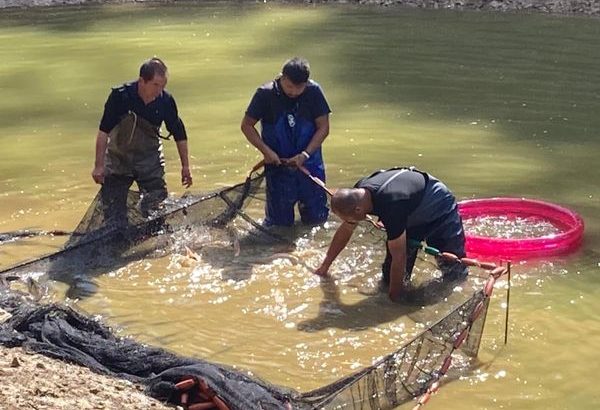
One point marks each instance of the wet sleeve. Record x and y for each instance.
(173, 123)
(257, 107)
(112, 112)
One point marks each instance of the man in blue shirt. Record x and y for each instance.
(294, 117)
(411, 205)
(128, 143)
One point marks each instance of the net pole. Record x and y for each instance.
(507, 306)
(315, 180)
(256, 167)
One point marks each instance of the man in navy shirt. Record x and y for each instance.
(411, 205)
(128, 144)
(294, 117)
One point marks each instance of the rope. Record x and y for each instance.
(495, 272)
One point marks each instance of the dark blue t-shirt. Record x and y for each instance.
(126, 98)
(396, 194)
(270, 100)
(288, 124)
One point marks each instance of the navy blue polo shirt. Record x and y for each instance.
(125, 98)
(288, 124)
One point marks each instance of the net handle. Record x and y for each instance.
(315, 180)
(256, 167)
(320, 183)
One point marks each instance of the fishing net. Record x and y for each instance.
(65, 334)
(409, 371)
(95, 245)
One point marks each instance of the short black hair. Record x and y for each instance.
(153, 67)
(297, 70)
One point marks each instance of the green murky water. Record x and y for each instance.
(495, 105)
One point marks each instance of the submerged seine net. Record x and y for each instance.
(406, 373)
(97, 246)
(69, 335)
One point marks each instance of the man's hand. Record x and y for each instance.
(295, 161)
(322, 270)
(271, 157)
(186, 177)
(98, 174)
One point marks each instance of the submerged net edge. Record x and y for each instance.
(90, 234)
(406, 373)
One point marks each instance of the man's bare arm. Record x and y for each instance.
(338, 243)
(397, 248)
(186, 174)
(101, 144)
(249, 130)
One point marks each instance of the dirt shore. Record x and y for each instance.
(32, 381)
(563, 7)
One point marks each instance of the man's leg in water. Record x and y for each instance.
(114, 199)
(282, 195)
(154, 191)
(312, 203)
(449, 237)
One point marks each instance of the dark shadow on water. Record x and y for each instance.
(375, 309)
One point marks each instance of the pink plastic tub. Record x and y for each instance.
(568, 222)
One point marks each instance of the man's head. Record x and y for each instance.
(351, 205)
(153, 79)
(294, 76)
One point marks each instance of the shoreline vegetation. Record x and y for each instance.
(38, 382)
(558, 7)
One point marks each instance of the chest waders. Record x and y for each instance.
(135, 149)
(288, 133)
(134, 153)
(445, 232)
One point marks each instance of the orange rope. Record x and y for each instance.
(495, 273)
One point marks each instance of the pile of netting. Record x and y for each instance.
(63, 333)
(413, 370)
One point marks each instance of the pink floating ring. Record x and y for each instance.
(568, 222)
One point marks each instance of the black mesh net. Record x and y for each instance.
(65, 334)
(96, 245)
(408, 372)
(69, 335)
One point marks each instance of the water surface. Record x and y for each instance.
(494, 105)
